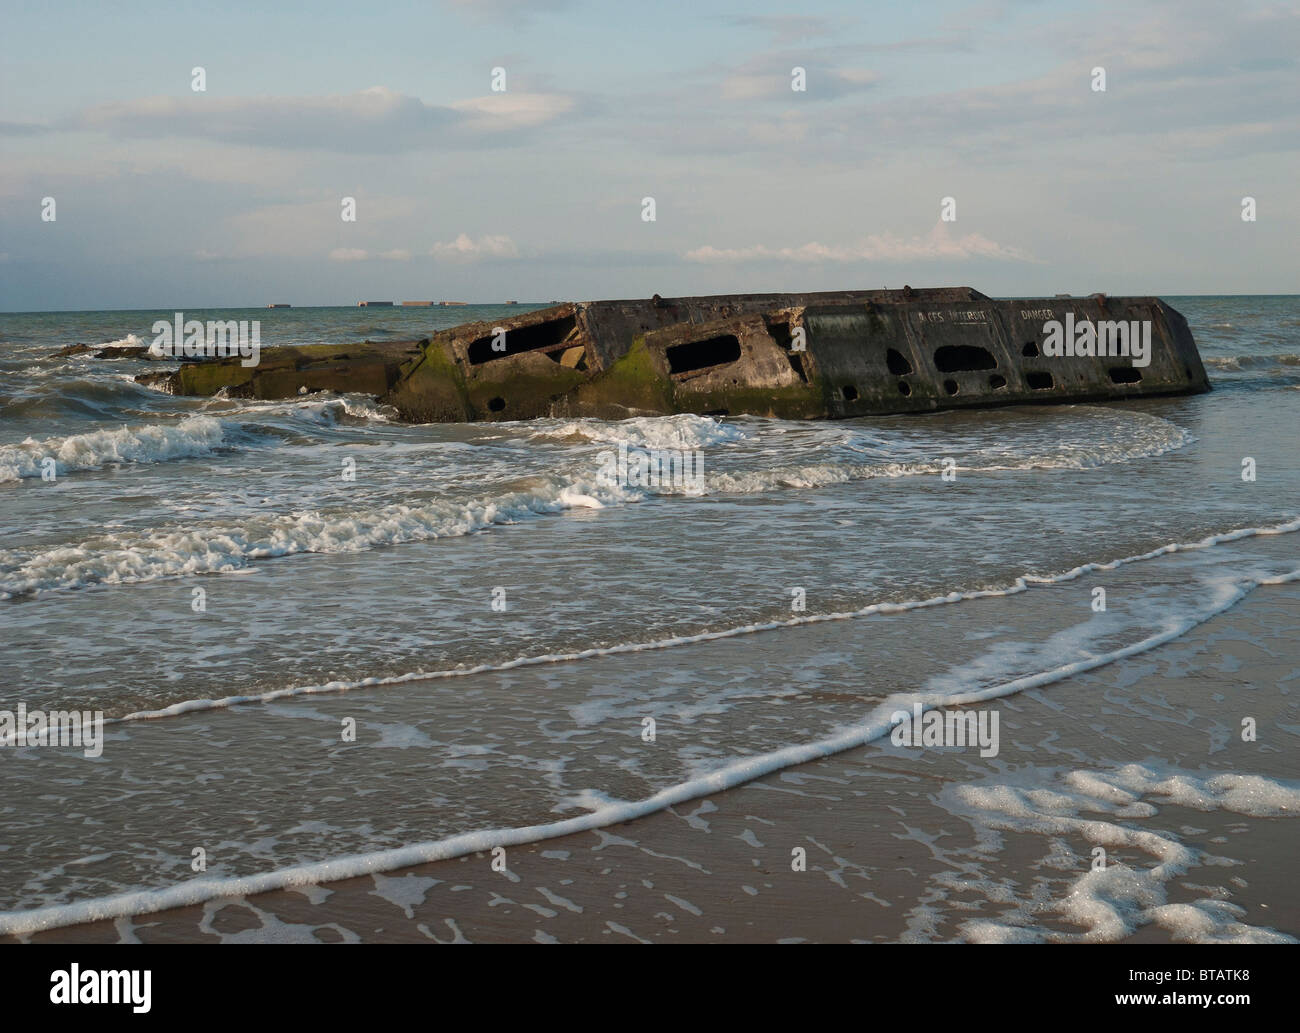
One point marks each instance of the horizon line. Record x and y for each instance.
(282, 306)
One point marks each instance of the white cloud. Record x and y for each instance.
(374, 120)
(359, 254)
(884, 247)
(466, 249)
(503, 111)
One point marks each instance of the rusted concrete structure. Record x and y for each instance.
(797, 356)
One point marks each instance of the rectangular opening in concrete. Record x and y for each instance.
(549, 334)
(697, 355)
(963, 358)
(1125, 375)
(1039, 381)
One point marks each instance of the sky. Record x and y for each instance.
(167, 197)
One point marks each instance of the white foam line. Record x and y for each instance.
(1020, 584)
(228, 550)
(150, 443)
(741, 770)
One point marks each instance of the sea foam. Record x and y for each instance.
(1093, 912)
(191, 436)
(212, 547)
(1107, 809)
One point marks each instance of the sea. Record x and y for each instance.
(326, 642)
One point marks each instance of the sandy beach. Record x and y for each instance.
(903, 844)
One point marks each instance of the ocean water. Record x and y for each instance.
(328, 601)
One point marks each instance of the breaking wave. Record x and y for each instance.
(683, 431)
(191, 436)
(216, 547)
(129, 341)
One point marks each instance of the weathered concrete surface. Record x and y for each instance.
(473, 372)
(369, 368)
(799, 356)
(987, 353)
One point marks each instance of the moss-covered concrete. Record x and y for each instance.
(431, 387)
(207, 378)
(366, 368)
(524, 388)
(638, 382)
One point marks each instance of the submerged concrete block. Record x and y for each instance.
(368, 367)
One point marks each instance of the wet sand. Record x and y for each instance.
(895, 850)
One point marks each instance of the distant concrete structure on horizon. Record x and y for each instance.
(279, 304)
(452, 304)
(374, 304)
(416, 304)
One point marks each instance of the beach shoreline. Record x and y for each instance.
(891, 854)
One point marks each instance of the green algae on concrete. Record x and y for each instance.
(636, 383)
(367, 368)
(431, 387)
(523, 389)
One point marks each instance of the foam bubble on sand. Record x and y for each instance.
(1111, 903)
(1242, 794)
(191, 436)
